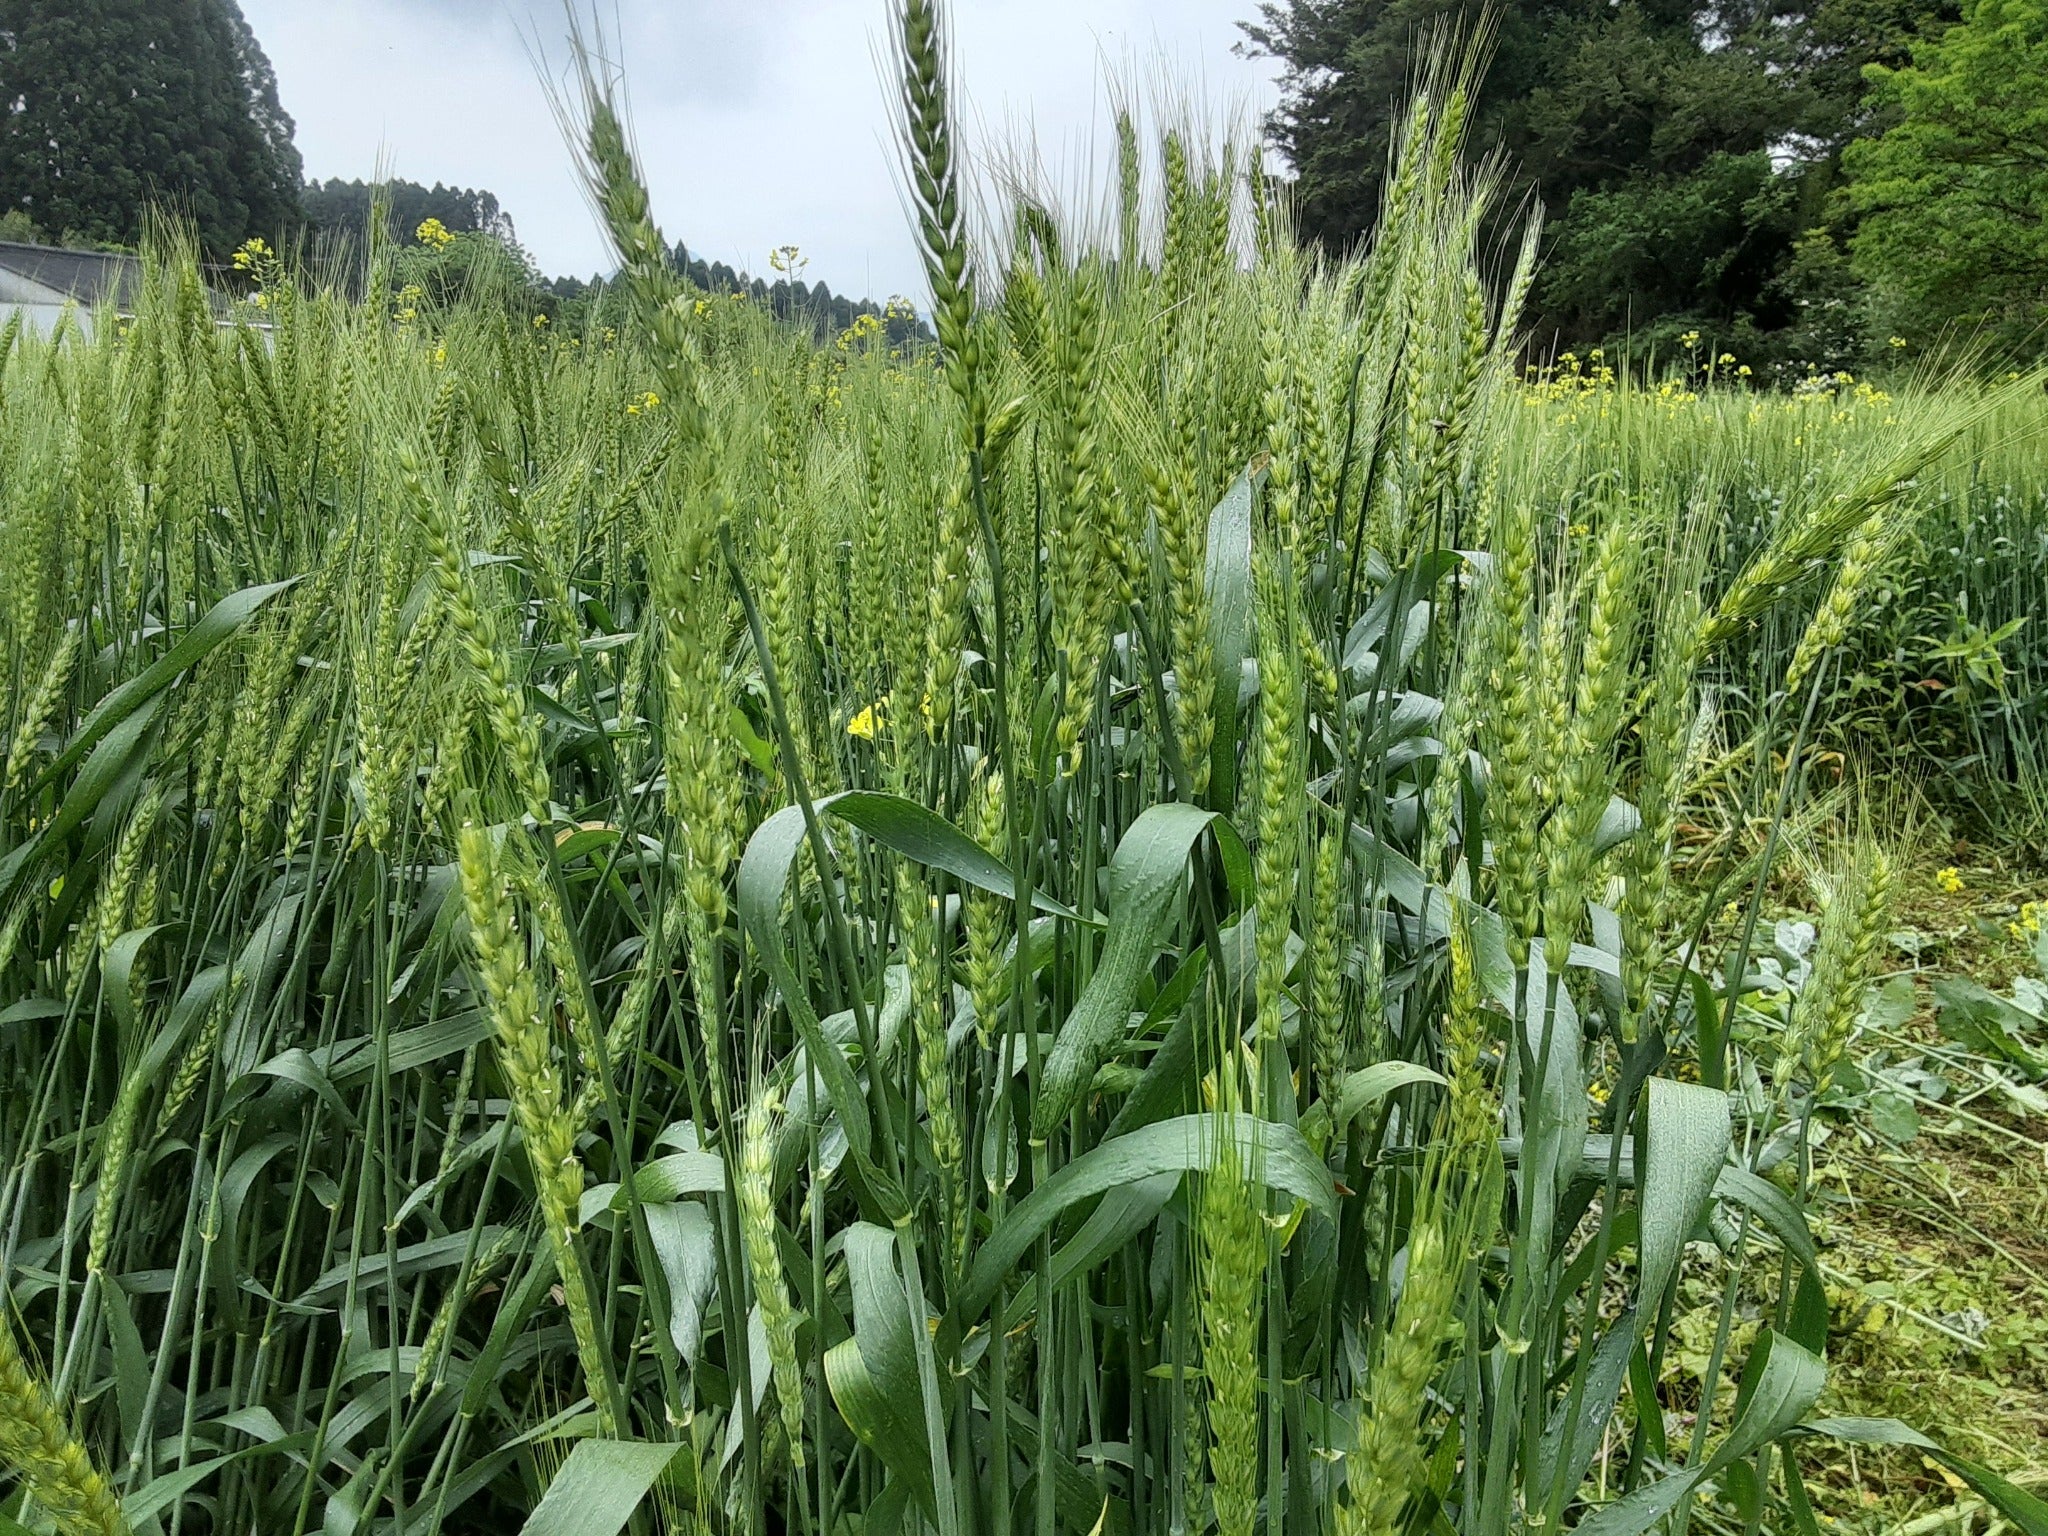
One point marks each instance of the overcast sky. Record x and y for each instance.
(761, 122)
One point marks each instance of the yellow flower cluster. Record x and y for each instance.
(1724, 366)
(1573, 381)
(864, 328)
(2027, 926)
(1948, 880)
(1672, 393)
(252, 254)
(874, 720)
(433, 234)
(647, 402)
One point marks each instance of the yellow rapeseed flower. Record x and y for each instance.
(1949, 880)
(869, 722)
(433, 233)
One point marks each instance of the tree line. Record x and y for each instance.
(1805, 181)
(118, 107)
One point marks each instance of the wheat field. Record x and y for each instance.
(677, 929)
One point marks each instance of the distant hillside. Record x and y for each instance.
(338, 217)
(342, 208)
(788, 299)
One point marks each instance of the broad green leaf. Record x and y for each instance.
(1077, 1497)
(1975, 1016)
(118, 967)
(295, 1066)
(432, 1253)
(257, 963)
(1770, 1205)
(2023, 1509)
(874, 1374)
(1397, 590)
(1808, 1324)
(219, 622)
(1685, 1146)
(162, 1493)
(110, 760)
(407, 1049)
(1554, 1106)
(763, 877)
(1386, 868)
(929, 839)
(131, 1361)
(599, 1487)
(1411, 715)
(1276, 1156)
(1368, 1085)
(1572, 1437)
(30, 1009)
(1618, 823)
(1783, 1381)
(684, 1246)
(243, 1173)
(1146, 876)
(1123, 1213)
(1163, 1088)
(807, 1104)
(660, 1180)
(514, 1308)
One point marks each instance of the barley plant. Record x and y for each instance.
(1072, 931)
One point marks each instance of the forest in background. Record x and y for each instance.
(1806, 185)
(1805, 181)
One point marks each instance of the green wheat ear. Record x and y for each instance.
(941, 219)
(35, 1442)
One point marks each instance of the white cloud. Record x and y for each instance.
(759, 124)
